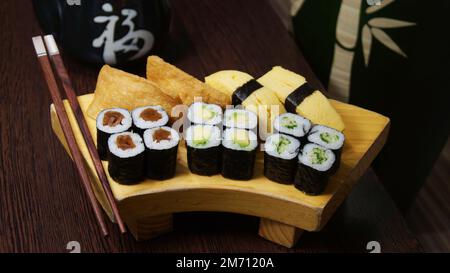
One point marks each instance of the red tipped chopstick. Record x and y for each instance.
(60, 69)
(67, 130)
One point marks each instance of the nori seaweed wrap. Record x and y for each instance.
(313, 170)
(280, 158)
(239, 153)
(244, 91)
(204, 152)
(126, 158)
(161, 147)
(110, 121)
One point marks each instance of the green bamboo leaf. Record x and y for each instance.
(387, 41)
(366, 39)
(389, 23)
(376, 8)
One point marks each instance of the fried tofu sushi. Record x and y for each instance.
(119, 89)
(180, 85)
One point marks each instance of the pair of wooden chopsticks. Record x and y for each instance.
(61, 71)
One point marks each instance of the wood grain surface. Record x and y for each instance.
(42, 206)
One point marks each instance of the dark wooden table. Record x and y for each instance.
(42, 205)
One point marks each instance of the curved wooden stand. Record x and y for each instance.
(284, 211)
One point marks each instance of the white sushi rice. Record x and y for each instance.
(124, 125)
(326, 137)
(210, 132)
(147, 124)
(292, 124)
(307, 157)
(232, 134)
(273, 143)
(239, 118)
(137, 140)
(197, 111)
(151, 143)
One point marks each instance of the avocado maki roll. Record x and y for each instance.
(329, 138)
(110, 121)
(204, 151)
(293, 125)
(239, 118)
(314, 165)
(126, 158)
(239, 153)
(280, 158)
(148, 117)
(203, 113)
(161, 147)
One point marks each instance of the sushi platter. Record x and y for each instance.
(294, 178)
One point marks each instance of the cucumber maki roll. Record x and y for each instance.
(161, 147)
(110, 121)
(148, 117)
(239, 118)
(204, 152)
(329, 138)
(126, 158)
(292, 124)
(314, 165)
(239, 153)
(203, 113)
(280, 158)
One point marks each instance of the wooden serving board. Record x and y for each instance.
(285, 212)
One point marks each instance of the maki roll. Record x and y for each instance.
(110, 121)
(148, 117)
(239, 153)
(292, 124)
(161, 145)
(203, 113)
(280, 158)
(126, 158)
(329, 138)
(204, 153)
(239, 118)
(314, 165)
